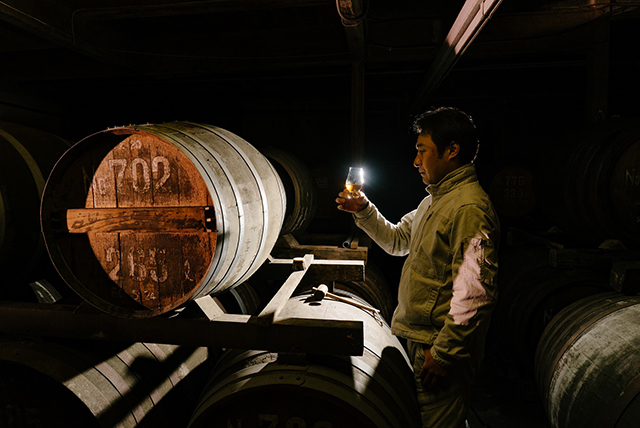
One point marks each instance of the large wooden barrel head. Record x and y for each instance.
(142, 219)
(156, 244)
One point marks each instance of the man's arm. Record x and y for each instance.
(395, 239)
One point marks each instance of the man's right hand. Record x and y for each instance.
(351, 205)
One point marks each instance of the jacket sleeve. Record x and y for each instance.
(474, 239)
(395, 239)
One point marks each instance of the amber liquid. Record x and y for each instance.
(353, 190)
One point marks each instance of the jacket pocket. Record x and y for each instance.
(429, 306)
(424, 264)
(431, 252)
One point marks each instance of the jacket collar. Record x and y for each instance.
(465, 174)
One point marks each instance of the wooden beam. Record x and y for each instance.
(288, 247)
(152, 219)
(157, 8)
(470, 21)
(60, 25)
(270, 313)
(225, 331)
(320, 270)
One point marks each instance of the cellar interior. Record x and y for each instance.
(276, 100)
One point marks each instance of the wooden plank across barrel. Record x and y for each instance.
(139, 220)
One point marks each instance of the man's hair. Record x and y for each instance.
(446, 125)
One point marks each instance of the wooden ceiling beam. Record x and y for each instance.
(57, 24)
(470, 21)
(159, 8)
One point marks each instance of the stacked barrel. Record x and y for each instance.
(140, 220)
(256, 388)
(28, 155)
(590, 185)
(61, 384)
(587, 364)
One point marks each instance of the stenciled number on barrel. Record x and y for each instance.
(140, 267)
(14, 416)
(514, 180)
(140, 172)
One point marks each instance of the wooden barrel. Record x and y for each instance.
(99, 385)
(254, 388)
(588, 364)
(533, 292)
(374, 290)
(241, 299)
(299, 186)
(511, 191)
(139, 220)
(591, 186)
(28, 155)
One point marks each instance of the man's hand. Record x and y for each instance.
(351, 205)
(432, 374)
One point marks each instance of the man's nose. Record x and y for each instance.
(416, 162)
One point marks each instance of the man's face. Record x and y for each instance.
(431, 167)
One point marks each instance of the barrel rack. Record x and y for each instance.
(209, 325)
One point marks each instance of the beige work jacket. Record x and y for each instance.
(448, 284)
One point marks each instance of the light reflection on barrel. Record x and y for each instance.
(587, 365)
(257, 388)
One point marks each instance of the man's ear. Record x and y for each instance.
(454, 150)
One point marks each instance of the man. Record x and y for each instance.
(448, 284)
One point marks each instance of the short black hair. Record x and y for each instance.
(446, 125)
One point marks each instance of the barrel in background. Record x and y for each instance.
(256, 388)
(587, 365)
(511, 191)
(300, 188)
(89, 384)
(28, 155)
(532, 293)
(163, 214)
(374, 290)
(590, 185)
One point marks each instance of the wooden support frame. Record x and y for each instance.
(289, 247)
(141, 219)
(266, 331)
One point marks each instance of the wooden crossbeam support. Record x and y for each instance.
(273, 308)
(288, 246)
(152, 219)
(320, 270)
(210, 307)
(225, 331)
